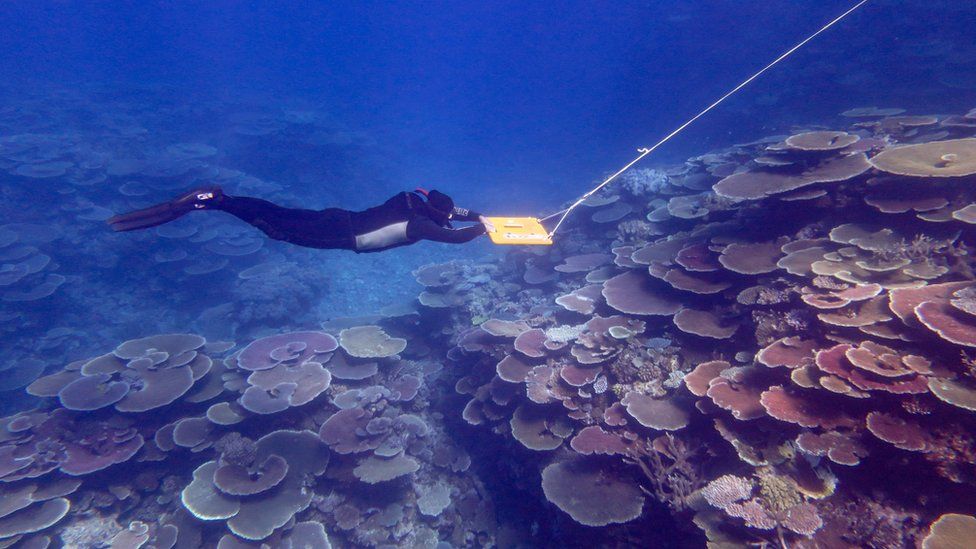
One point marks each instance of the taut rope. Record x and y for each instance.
(647, 151)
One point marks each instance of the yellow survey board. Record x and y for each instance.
(519, 230)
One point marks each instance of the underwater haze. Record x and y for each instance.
(762, 334)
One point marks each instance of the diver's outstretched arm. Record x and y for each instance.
(198, 199)
(464, 214)
(425, 229)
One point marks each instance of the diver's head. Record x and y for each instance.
(440, 208)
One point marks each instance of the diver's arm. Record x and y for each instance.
(464, 214)
(425, 229)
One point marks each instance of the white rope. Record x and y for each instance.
(645, 152)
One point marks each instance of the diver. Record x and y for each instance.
(406, 218)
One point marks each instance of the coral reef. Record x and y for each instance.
(818, 349)
(745, 342)
(272, 438)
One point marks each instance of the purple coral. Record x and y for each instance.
(726, 490)
(236, 449)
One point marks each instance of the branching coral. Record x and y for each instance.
(669, 464)
(777, 506)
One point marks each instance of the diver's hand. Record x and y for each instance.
(488, 224)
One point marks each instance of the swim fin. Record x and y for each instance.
(197, 199)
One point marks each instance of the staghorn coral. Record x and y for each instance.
(669, 463)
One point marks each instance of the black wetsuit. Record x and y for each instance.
(402, 220)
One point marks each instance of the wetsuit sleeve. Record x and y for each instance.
(464, 214)
(425, 229)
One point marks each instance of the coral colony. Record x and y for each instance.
(741, 345)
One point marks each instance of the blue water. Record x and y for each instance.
(513, 108)
(496, 99)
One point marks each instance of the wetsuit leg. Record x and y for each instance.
(328, 228)
(197, 199)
